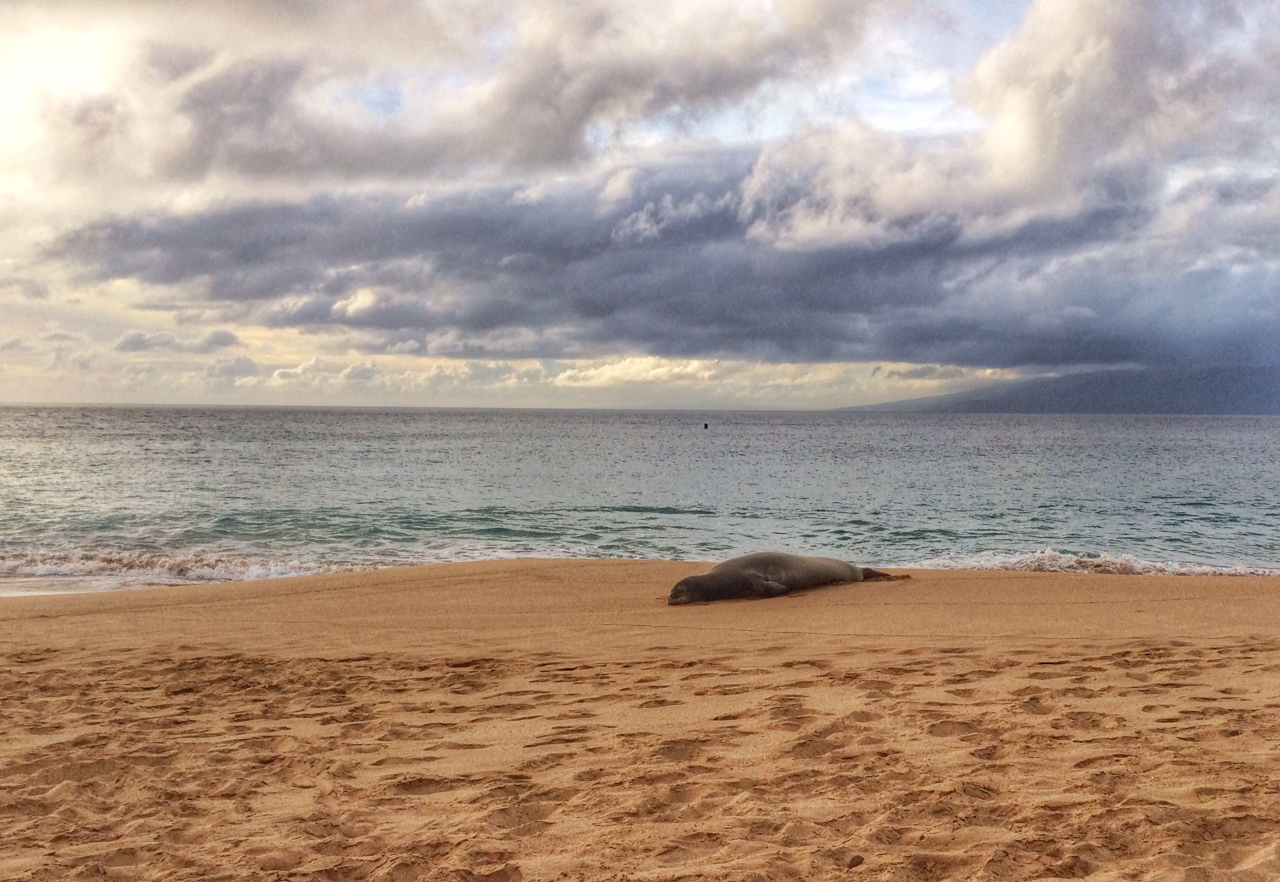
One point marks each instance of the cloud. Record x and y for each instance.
(31, 289)
(704, 260)
(62, 337)
(307, 371)
(619, 189)
(668, 215)
(927, 372)
(1089, 108)
(645, 370)
(229, 370)
(359, 372)
(142, 341)
(407, 88)
(61, 350)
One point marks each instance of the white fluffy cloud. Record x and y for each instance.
(175, 93)
(231, 370)
(1090, 104)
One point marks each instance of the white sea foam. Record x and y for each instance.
(127, 568)
(47, 571)
(1050, 561)
(55, 572)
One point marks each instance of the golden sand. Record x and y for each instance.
(556, 720)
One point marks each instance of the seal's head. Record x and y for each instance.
(685, 591)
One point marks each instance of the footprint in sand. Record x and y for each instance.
(1034, 706)
(418, 786)
(951, 728)
(680, 750)
(694, 846)
(509, 873)
(813, 746)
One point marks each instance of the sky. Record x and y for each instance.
(603, 203)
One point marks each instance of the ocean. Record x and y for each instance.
(103, 498)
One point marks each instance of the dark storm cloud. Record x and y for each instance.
(672, 270)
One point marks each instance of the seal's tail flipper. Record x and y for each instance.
(870, 575)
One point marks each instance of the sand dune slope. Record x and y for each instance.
(553, 720)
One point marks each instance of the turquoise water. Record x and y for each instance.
(94, 498)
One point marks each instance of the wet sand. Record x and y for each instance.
(555, 719)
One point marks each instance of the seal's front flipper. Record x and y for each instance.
(766, 588)
(870, 575)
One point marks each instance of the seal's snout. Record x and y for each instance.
(680, 594)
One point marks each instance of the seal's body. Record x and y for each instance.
(768, 574)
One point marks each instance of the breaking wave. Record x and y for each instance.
(49, 572)
(1050, 561)
(153, 568)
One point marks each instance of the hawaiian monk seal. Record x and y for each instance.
(768, 574)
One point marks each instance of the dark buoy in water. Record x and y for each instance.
(706, 425)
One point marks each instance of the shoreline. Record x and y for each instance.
(523, 719)
(1000, 603)
(48, 582)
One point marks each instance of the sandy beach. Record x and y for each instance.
(552, 719)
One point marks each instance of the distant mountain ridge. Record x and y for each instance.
(1206, 391)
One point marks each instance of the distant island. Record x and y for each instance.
(1207, 391)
